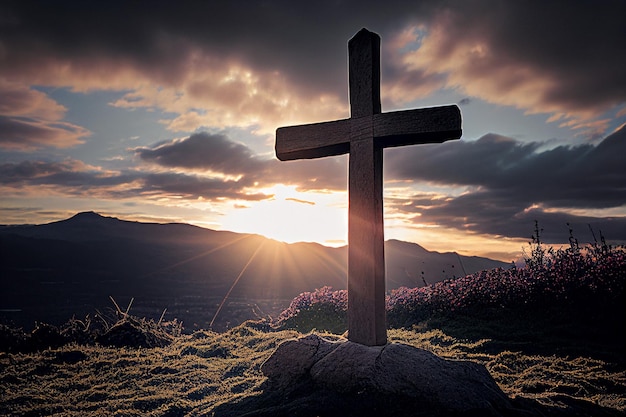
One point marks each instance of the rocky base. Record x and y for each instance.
(398, 371)
(312, 376)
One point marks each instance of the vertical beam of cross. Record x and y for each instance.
(366, 253)
(364, 136)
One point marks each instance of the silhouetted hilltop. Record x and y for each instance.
(74, 265)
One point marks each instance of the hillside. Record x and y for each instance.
(59, 269)
(550, 334)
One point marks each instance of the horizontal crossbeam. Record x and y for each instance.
(400, 128)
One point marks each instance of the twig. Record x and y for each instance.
(119, 310)
(101, 317)
(129, 304)
(162, 315)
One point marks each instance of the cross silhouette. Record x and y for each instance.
(363, 136)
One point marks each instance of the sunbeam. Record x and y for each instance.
(243, 270)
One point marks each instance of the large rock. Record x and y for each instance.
(314, 377)
(393, 370)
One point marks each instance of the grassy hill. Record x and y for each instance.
(551, 335)
(208, 373)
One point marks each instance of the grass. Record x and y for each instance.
(542, 377)
(197, 373)
(194, 373)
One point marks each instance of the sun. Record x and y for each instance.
(294, 216)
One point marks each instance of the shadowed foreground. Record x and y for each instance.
(207, 373)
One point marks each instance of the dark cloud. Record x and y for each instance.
(24, 134)
(73, 177)
(515, 184)
(584, 176)
(498, 215)
(193, 187)
(558, 57)
(575, 43)
(219, 154)
(17, 100)
(27, 171)
(576, 46)
(70, 176)
(298, 39)
(29, 120)
(213, 152)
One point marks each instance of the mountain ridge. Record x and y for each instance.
(72, 266)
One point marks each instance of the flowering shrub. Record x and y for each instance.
(322, 309)
(571, 280)
(568, 280)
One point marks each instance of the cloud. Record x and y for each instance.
(562, 58)
(233, 94)
(271, 63)
(193, 187)
(496, 215)
(510, 184)
(222, 157)
(297, 200)
(29, 120)
(582, 176)
(70, 177)
(24, 134)
(212, 152)
(75, 178)
(19, 100)
(167, 58)
(504, 185)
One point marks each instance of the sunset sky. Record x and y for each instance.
(167, 111)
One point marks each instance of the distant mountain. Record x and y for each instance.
(49, 272)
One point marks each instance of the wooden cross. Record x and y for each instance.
(363, 136)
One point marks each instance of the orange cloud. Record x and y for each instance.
(19, 100)
(201, 90)
(27, 134)
(29, 119)
(297, 200)
(233, 95)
